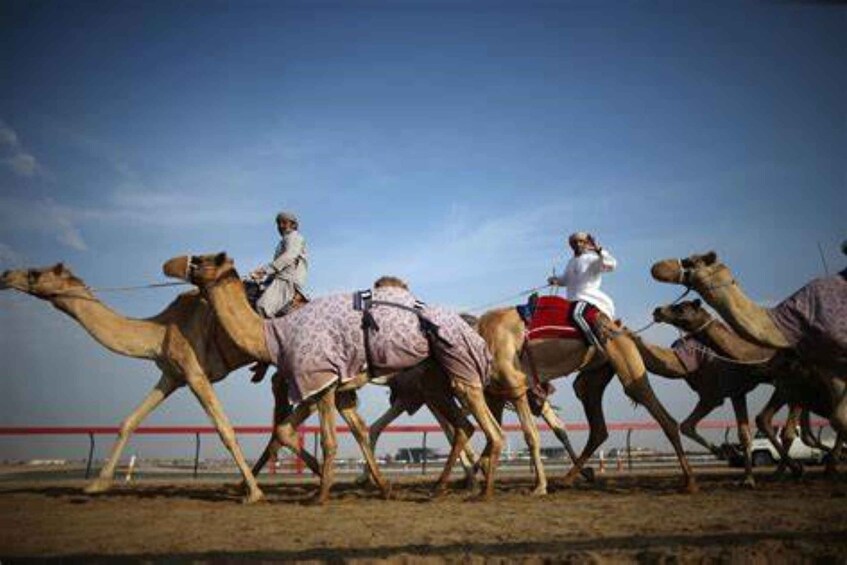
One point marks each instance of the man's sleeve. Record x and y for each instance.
(603, 262)
(293, 250)
(607, 262)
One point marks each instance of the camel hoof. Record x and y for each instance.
(481, 497)
(317, 500)
(690, 487)
(97, 486)
(568, 481)
(749, 482)
(438, 491)
(540, 490)
(362, 480)
(470, 483)
(386, 489)
(588, 473)
(797, 470)
(253, 497)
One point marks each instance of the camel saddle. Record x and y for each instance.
(549, 317)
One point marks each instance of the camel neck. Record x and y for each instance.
(122, 335)
(719, 337)
(660, 360)
(243, 325)
(751, 321)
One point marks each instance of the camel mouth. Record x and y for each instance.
(177, 268)
(667, 271)
(658, 315)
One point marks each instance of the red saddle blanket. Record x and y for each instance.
(553, 318)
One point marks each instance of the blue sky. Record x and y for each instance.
(455, 144)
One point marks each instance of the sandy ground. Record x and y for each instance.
(622, 517)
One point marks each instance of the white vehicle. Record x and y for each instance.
(764, 453)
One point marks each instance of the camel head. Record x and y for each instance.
(688, 315)
(46, 282)
(201, 270)
(701, 272)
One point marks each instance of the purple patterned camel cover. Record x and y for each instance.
(322, 342)
(814, 319)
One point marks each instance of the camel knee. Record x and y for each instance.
(688, 429)
(286, 436)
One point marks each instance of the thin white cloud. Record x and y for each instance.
(18, 160)
(9, 258)
(22, 164)
(8, 137)
(43, 216)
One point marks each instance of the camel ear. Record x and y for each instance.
(220, 258)
(710, 258)
(697, 303)
(58, 268)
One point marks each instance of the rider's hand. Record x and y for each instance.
(553, 281)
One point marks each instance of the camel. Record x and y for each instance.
(504, 331)
(217, 279)
(189, 347)
(813, 321)
(794, 384)
(184, 341)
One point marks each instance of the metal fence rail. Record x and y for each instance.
(424, 429)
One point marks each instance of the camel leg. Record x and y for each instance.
(347, 407)
(533, 441)
(834, 456)
(629, 366)
(474, 400)
(285, 434)
(204, 392)
(467, 456)
(166, 385)
(329, 442)
(688, 427)
(496, 405)
(394, 411)
(745, 438)
(589, 387)
(764, 422)
(282, 410)
(441, 402)
(561, 434)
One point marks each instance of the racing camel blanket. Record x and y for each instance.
(814, 319)
(322, 342)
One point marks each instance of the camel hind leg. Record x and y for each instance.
(204, 392)
(164, 388)
(440, 399)
(745, 438)
(558, 426)
(474, 400)
(533, 441)
(329, 442)
(589, 387)
(393, 412)
(346, 401)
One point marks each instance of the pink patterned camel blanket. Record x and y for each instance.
(814, 319)
(322, 342)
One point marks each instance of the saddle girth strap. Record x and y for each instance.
(363, 301)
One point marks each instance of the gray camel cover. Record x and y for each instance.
(814, 319)
(322, 342)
